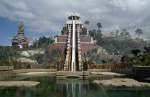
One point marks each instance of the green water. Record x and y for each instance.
(50, 87)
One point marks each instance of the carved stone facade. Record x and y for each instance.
(20, 40)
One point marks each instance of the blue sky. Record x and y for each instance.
(43, 16)
(7, 31)
(9, 28)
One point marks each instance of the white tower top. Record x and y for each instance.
(73, 17)
(73, 14)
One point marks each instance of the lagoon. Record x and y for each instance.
(53, 87)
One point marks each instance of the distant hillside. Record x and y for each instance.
(101, 56)
(121, 46)
(118, 44)
(113, 47)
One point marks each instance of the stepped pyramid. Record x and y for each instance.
(74, 42)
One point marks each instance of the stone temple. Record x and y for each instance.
(74, 42)
(20, 40)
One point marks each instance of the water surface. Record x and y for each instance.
(50, 87)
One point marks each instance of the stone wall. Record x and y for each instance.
(6, 72)
(141, 72)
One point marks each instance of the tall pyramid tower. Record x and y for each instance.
(19, 40)
(74, 42)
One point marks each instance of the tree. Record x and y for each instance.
(87, 22)
(92, 33)
(125, 33)
(147, 49)
(7, 55)
(42, 42)
(139, 32)
(51, 57)
(135, 52)
(64, 31)
(99, 25)
(84, 31)
(141, 59)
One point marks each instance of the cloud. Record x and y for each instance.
(133, 5)
(50, 15)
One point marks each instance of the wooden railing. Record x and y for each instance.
(6, 68)
(110, 67)
(104, 66)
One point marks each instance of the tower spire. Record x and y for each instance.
(19, 40)
(21, 28)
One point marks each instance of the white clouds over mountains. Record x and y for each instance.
(49, 15)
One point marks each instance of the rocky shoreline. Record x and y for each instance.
(122, 83)
(18, 83)
(37, 74)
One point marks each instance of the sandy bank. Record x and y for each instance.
(37, 74)
(33, 70)
(18, 83)
(108, 74)
(122, 83)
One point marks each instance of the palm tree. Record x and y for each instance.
(125, 33)
(117, 33)
(139, 32)
(99, 25)
(87, 22)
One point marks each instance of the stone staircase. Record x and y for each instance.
(79, 53)
(68, 54)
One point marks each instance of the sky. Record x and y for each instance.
(47, 17)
